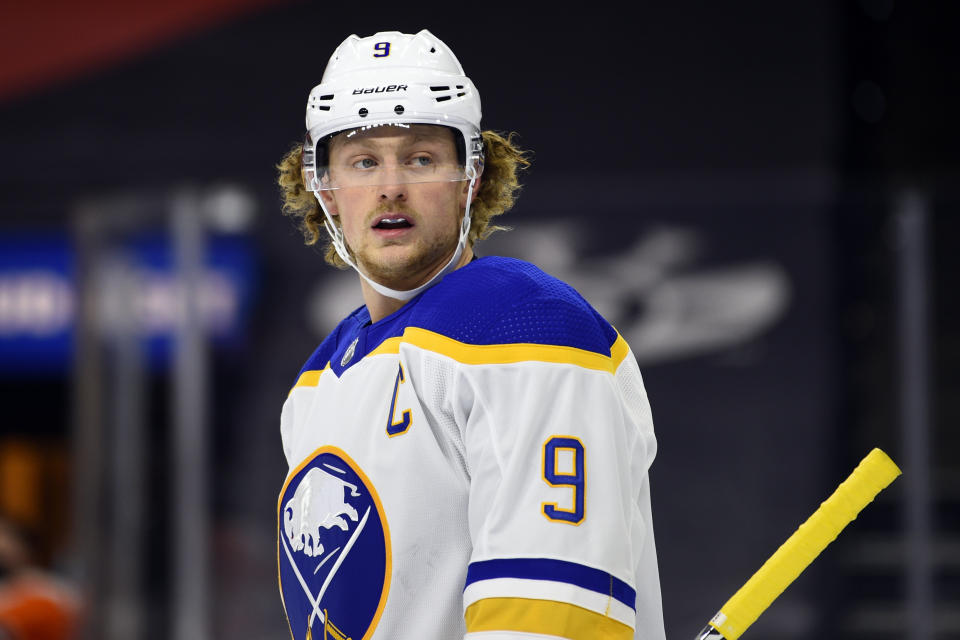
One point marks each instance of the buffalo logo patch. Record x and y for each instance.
(333, 549)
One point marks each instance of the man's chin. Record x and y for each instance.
(395, 272)
(401, 271)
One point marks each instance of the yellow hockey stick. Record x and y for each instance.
(871, 476)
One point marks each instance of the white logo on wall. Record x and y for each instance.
(686, 310)
(36, 303)
(43, 303)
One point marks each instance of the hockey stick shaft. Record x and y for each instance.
(871, 476)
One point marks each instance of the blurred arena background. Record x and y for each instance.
(762, 197)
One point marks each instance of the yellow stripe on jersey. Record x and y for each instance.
(619, 351)
(506, 353)
(309, 378)
(390, 345)
(543, 616)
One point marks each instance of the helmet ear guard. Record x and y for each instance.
(308, 164)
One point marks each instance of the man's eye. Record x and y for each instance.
(364, 163)
(422, 161)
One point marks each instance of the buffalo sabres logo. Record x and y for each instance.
(334, 549)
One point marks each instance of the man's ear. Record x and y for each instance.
(473, 194)
(329, 201)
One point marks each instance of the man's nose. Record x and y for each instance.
(392, 188)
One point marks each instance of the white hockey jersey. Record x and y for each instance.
(473, 465)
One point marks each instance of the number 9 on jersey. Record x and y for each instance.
(565, 465)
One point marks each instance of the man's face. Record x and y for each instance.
(400, 233)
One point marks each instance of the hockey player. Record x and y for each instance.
(469, 450)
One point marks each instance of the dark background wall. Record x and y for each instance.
(722, 181)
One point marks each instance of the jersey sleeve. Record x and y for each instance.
(558, 442)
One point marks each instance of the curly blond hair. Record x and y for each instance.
(497, 194)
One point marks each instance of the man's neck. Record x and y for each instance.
(380, 306)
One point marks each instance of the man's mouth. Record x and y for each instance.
(392, 222)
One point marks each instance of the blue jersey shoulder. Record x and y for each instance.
(492, 300)
(496, 300)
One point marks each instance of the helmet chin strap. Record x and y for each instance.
(340, 245)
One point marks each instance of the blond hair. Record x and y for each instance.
(497, 194)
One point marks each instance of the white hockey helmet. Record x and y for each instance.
(393, 79)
